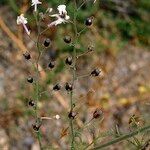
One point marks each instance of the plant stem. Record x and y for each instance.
(39, 140)
(74, 73)
(121, 138)
(37, 80)
(85, 1)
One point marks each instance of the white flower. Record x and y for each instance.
(57, 117)
(94, 1)
(62, 9)
(22, 20)
(62, 16)
(35, 3)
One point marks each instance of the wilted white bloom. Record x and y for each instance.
(35, 3)
(94, 1)
(22, 20)
(57, 117)
(62, 16)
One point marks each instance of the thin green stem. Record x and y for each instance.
(37, 74)
(44, 30)
(74, 74)
(39, 139)
(121, 138)
(85, 1)
(82, 30)
(83, 76)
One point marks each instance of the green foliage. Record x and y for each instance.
(13, 5)
(130, 23)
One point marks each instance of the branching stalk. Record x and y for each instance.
(121, 138)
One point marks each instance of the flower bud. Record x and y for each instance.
(57, 117)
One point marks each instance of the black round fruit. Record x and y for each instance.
(67, 39)
(27, 55)
(57, 87)
(30, 79)
(47, 42)
(31, 103)
(72, 115)
(68, 87)
(88, 22)
(51, 65)
(36, 127)
(95, 72)
(68, 60)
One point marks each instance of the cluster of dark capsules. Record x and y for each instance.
(68, 86)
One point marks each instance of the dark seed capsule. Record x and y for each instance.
(67, 39)
(68, 60)
(95, 72)
(30, 79)
(68, 87)
(36, 127)
(47, 42)
(57, 87)
(88, 22)
(72, 115)
(31, 103)
(97, 113)
(27, 55)
(51, 65)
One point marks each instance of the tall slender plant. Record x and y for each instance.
(63, 17)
